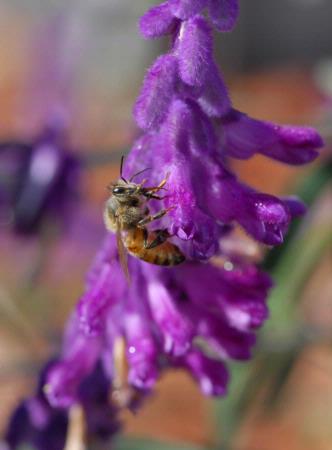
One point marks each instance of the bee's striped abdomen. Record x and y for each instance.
(166, 254)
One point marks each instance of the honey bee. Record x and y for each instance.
(127, 214)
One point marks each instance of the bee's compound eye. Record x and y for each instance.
(119, 190)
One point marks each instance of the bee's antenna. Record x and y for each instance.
(138, 173)
(121, 167)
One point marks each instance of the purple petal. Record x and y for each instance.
(242, 137)
(184, 9)
(294, 144)
(100, 414)
(23, 433)
(64, 378)
(140, 156)
(211, 374)
(295, 206)
(226, 341)
(105, 285)
(39, 411)
(194, 51)
(205, 241)
(272, 216)
(172, 155)
(224, 13)
(237, 296)
(214, 99)
(202, 135)
(106, 254)
(263, 216)
(141, 353)
(93, 306)
(176, 329)
(172, 152)
(180, 197)
(156, 94)
(157, 21)
(245, 315)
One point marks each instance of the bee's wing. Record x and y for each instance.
(123, 256)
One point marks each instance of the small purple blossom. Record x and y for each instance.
(242, 137)
(157, 21)
(200, 314)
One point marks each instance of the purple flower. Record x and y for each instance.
(241, 137)
(170, 317)
(162, 316)
(35, 422)
(157, 21)
(42, 183)
(199, 314)
(41, 176)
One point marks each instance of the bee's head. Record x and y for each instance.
(123, 190)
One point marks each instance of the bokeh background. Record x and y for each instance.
(278, 65)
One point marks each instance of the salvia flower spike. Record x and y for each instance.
(201, 313)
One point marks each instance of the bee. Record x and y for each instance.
(127, 214)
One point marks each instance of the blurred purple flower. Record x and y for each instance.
(42, 181)
(37, 423)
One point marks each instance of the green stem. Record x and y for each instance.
(293, 270)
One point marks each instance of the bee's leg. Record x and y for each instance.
(153, 217)
(150, 191)
(157, 197)
(161, 237)
(163, 182)
(141, 184)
